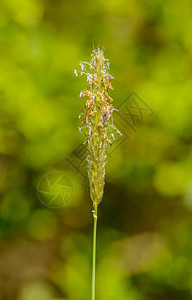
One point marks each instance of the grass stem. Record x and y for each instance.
(94, 251)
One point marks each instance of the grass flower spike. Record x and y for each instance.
(97, 119)
(99, 129)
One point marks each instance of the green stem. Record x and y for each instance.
(94, 251)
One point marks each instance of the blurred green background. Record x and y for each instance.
(145, 218)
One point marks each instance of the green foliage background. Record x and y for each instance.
(145, 218)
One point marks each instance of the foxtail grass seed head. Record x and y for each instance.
(97, 121)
